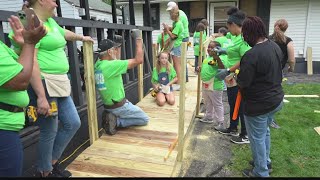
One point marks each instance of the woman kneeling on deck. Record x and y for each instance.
(119, 112)
(163, 76)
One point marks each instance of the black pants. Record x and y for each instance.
(232, 96)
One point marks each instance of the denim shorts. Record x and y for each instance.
(176, 51)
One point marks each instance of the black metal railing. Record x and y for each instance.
(30, 135)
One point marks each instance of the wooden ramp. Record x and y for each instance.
(139, 151)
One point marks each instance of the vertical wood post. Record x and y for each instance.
(140, 78)
(90, 90)
(309, 61)
(182, 101)
(154, 55)
(199, 77)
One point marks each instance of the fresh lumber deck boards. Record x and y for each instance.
(138, 151)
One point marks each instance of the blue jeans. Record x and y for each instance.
(54, 137)
(129, 115)
(11, 154)
(259, 137)
(232, 96)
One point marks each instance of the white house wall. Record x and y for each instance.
(313, 31)
(295, 12)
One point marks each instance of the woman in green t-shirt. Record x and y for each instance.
(163, 76)
(50, 85)
(15, 74)
(176, 35)
(235, 51)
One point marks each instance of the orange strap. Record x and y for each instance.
(237, 106)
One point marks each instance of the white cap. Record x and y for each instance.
(171, 5)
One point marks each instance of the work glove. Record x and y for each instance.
(222, 74)
(219, 51)
(136, 33)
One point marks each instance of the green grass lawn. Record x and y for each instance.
(295, 147)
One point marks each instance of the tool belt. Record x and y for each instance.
(116, 105)
(11, 108)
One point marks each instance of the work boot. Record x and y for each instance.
(109, 123)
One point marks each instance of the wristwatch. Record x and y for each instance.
(228, 70)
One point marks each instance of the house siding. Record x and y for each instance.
(313, 33)
(295, 12)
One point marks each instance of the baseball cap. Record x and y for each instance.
(171, 5)
(106, 44)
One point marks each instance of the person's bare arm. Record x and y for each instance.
(291, 58)
(174, 80)
(71, 36)
(37, 86)
(235, 67)
(139, 55)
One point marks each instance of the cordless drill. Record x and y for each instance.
(33, 115)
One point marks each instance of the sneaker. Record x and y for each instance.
(109, 123)
(248, 173)
(274, 125)
(219, 127)
(229, 132)
(206, 120)
(62, 172)
(268, 165)
(240, 139)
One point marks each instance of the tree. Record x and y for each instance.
(107, 1)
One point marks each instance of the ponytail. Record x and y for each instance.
(279, 36)
(280, 28)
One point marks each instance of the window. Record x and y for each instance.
(155, 16)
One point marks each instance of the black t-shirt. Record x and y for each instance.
(260, 78)
(284, 49)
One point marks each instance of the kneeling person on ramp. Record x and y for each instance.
(119, 112)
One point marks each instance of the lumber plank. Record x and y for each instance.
(308, 96)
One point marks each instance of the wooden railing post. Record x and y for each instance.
(90, 90)
(140, 79)
(182, 101)
(154, 55)
(199, 77)
(309, 61)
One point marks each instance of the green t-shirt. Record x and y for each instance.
(108, 76)
(178, 31)
(196, 42)
(9, 68)
(51, 56)
(209, 71)
(155, 74)
(184, 19)
(236, 49)
(165, 38)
